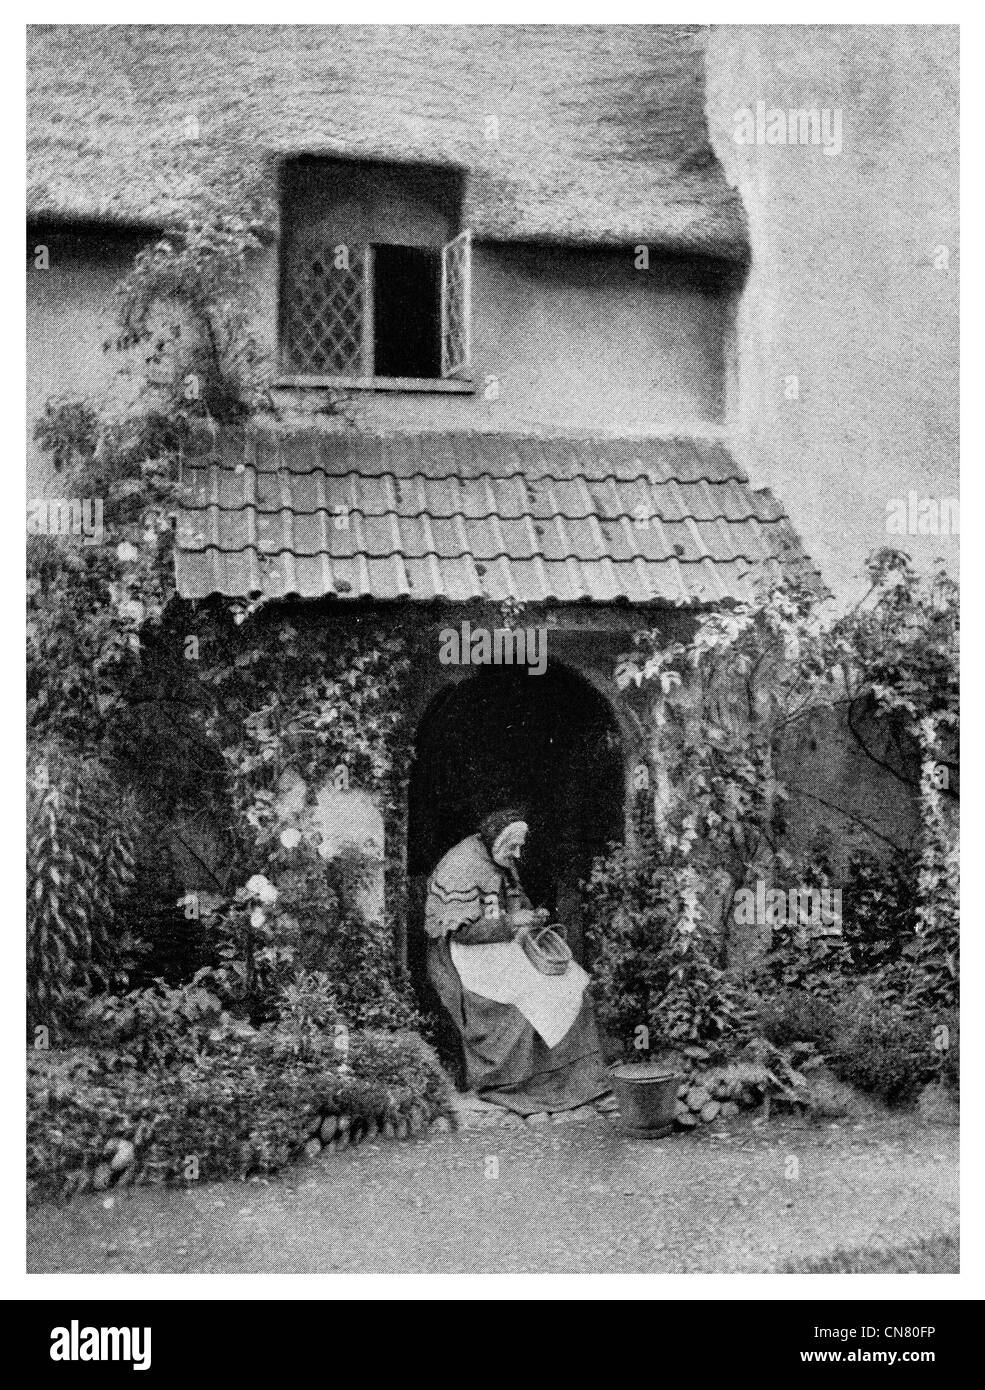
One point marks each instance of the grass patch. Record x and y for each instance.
(938, 1255)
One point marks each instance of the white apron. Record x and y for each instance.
(501, 971)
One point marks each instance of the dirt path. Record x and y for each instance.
(576, 1198)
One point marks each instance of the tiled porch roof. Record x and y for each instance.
(474, 516)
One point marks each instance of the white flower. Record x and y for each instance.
(127, 552)
(133, 609)
(290, 838)
(257, 918)
(260, 887)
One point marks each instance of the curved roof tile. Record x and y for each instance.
(432, 516)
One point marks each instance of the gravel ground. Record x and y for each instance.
(573, 1198)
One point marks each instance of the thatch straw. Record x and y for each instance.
(601, 130)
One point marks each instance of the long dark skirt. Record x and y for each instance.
(506, 1060)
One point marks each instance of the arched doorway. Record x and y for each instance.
(549, 743)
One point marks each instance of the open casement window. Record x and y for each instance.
(381, 311)
(456, 306)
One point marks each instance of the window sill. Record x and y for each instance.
(438, 385)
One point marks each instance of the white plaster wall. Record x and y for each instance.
(849, 289)
(69, 317)
(576, 340)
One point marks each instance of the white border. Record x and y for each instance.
(14, 1283)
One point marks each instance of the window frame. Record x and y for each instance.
(455, 368)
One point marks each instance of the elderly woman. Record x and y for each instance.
(530, 1039)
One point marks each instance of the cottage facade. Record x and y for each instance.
(516, 251)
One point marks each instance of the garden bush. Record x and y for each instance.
(655, 980)
(306, 917)
(159, 1026)
(879, 1044)
(873, 1037)
(880, 898)
(878, 1000)
(233, 1101)
(712, 807)
(795, 1015)
(79, 865)
(319, 903)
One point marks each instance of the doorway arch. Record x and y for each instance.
(501, 737)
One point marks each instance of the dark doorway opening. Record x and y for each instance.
(406, 311)
(549, 743)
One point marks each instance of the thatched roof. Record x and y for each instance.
(602, 133)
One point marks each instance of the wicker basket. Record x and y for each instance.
(547, 949)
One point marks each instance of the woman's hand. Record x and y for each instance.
(526, 918)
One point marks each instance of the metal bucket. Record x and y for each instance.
(647, 1096)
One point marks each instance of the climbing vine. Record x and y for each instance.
(101, 611)
(721, 707)
(322, 701)
(186, 364)
(298, 706)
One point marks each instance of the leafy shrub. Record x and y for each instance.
(78, 1102)
(799, 962)
(880, 1045)
(652, 952)
(872, 1039)
(320, 906)
(872, 999)
(389, 1073)
(797, 1015)
(629, 909)
(721, 707)
(238, 1100)
(160, 1026)
(879, 918)
(243, 1107)
(307, 1009)
(79, 864)
(306, 917)
(879, 908)
(230, 1110)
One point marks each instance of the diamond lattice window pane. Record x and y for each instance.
(325, 312)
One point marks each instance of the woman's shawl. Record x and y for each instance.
(466, 886)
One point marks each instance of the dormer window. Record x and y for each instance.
(376, 278)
